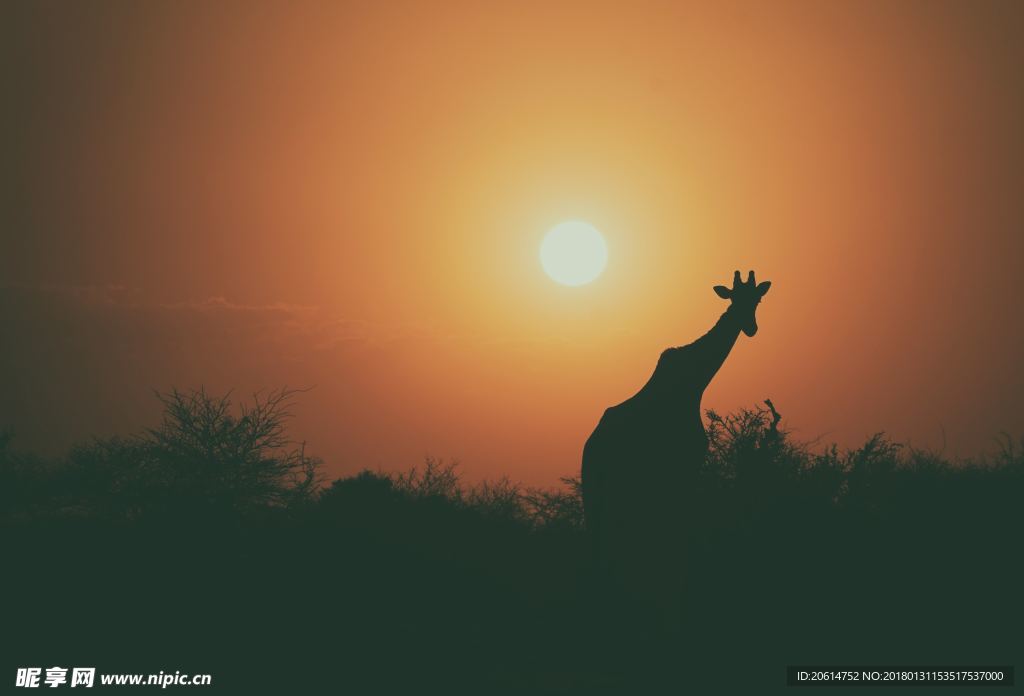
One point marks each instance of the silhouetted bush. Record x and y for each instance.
(204, 453)
(202, 460)
(23, 483)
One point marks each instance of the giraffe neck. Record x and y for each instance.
(710, 350)
(683, 373)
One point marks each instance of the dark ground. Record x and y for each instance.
(206, 546)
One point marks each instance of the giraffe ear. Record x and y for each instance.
(762, 288)
(723, 292)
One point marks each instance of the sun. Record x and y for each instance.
(573, 253)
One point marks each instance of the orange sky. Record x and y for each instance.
(350, 196)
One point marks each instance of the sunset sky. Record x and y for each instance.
(350, 196)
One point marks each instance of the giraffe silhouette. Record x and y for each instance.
(640, 462)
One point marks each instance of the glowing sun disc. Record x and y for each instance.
(573, 253)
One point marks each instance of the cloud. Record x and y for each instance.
(120, 316)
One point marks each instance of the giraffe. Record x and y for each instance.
(642, 456)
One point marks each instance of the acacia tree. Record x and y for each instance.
(202, 453)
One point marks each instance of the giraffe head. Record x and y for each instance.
(745, 298)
